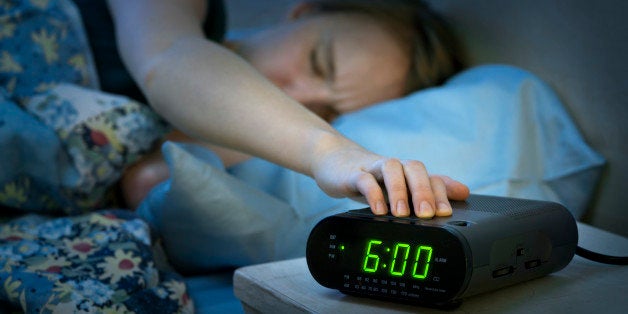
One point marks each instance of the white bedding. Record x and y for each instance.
(497, 128)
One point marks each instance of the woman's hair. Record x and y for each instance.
(435, 52)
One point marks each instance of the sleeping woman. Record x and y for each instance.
(332, 57)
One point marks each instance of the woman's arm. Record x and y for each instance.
(207, 91)
(215, 96)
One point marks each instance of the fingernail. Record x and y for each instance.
(425, 210)
(444, 209)
(379, 208)
(402, 208)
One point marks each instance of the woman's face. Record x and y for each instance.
(331, 63)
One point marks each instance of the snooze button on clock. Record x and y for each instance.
(459, 223)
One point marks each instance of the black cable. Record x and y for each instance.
(601, 258)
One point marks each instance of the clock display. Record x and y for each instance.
(399, 261)
(387, 257)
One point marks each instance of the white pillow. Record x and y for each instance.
(497, 128)
(208, 219)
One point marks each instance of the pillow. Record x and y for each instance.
(208, 219)
(497, 128)
(67, 146)
(43, 43)
(64, 143)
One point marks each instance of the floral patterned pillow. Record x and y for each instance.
(94, 137)
(42, 43)
(48, 84)
(101, 133)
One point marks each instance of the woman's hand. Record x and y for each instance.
(352, 171)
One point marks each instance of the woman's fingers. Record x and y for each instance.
(420, 188)
(405, 185)
(443, 208)
(405, 181)
(393, 173)
(368, 186)
(455, 190)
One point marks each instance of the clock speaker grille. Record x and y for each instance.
(512, 207)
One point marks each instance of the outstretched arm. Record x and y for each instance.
(215, 96)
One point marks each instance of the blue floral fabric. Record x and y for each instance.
(64, 145)
(48, 82)
(42, 43)
(65, 148)
(95, 263)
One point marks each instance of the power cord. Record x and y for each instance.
(601, 258)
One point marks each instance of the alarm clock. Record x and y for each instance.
(487, 243)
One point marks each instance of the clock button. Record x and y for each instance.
(503, 271)
(532, 263)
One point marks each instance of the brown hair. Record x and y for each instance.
(435, 52)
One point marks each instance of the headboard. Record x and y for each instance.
(579, 47)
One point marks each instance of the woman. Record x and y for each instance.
(330, 62)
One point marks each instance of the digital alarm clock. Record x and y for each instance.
(488, 243)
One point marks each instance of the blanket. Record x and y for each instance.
(96, 262)
(64, 143)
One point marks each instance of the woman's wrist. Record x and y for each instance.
(335, 161)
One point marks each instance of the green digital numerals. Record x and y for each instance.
(397, 261)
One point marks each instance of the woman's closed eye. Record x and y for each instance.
(322, 59)
(315, 62)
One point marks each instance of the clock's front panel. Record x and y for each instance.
(389, 259)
